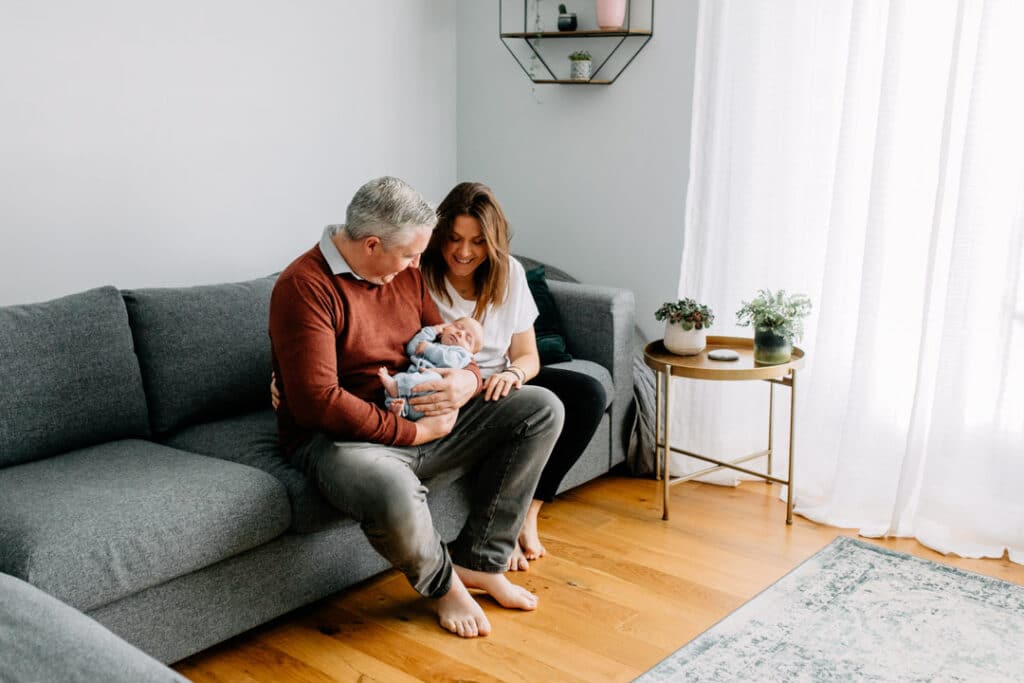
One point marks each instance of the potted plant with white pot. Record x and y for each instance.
(778, 321)
(686, 325)
(579, 65)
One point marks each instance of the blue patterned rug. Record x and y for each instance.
(855, 611)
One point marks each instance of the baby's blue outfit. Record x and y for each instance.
(433, 356)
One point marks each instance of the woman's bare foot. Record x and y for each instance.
(459, 613)
(529, 539)
(390, 385)
(498, 587)
(518, 563)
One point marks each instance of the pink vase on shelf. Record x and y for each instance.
(611, 14)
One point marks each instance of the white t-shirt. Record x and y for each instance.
(516, 314)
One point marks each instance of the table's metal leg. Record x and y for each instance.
(771, 427)
(792, 438)
(667, 417)
(657, 426)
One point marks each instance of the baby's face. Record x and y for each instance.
(464, 332)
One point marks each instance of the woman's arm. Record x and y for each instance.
(524, 364)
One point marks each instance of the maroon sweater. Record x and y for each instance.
(329, 334)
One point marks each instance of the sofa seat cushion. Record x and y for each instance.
(251, 439)
(595, 370)
(98, 524)
(70, 376)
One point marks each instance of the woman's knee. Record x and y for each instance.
(580, 392)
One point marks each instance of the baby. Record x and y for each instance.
(459, 340)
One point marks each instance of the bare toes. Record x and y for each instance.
(518, 561)
(531, 546)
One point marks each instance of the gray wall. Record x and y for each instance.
(186, 142)
(151, 144)
(593, 178)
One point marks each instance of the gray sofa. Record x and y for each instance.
(140, 479)
(43, 640)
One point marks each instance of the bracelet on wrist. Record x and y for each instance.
(518, 372)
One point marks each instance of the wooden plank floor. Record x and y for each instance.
(619, 591)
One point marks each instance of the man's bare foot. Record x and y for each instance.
(518, 563)
(498, 587)
(397, 406)
(529, 539)
(390, 385)
(459, 613)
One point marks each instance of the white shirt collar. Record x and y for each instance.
(337, 262)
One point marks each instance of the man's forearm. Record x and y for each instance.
(347, 417)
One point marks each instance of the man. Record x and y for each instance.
(338, 314)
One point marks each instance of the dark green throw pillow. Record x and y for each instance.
(548, 326)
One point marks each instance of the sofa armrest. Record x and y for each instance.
(599, 324)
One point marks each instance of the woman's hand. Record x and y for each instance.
(497, 386)
(451, 392)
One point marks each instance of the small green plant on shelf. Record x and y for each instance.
(579, 56)
(776, 313)
(686, 313)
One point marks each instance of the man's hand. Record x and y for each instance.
(275, 395)
(431, 428)
(451, 392)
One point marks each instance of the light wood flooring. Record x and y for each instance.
(619, 590)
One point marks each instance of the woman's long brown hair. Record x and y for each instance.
(490, 279)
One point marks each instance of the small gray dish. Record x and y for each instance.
(723, 354)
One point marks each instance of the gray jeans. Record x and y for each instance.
(379, 486)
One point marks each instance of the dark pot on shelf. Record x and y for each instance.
(567, 22)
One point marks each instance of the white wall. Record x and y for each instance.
(151, 144)
(593, 178)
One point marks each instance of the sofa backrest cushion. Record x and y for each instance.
(551, 341)
(204, 351)
(70, 376)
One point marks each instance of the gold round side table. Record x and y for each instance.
(667, 365)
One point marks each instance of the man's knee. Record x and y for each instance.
(542, 410)
(364, 482)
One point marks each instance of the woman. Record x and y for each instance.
(470, 272)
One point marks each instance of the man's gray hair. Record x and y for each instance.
(388, 208)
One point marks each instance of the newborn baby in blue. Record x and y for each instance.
(459, 340)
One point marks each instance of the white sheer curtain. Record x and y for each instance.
(870, 155)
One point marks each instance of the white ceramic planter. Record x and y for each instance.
(685, 342)
(579, 70)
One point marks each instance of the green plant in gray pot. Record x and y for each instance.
(778, 321)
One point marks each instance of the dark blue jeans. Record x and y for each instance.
(380, 486)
